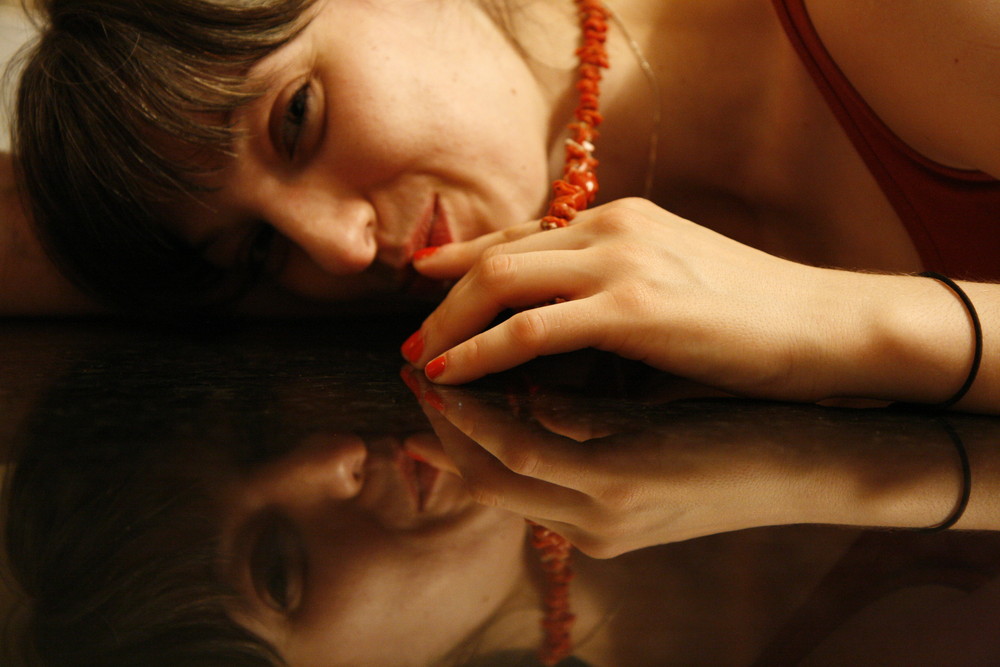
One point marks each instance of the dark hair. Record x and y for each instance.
(116, 571)
(110, 531)
(107, 87)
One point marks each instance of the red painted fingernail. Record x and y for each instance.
(415, 456)
(424, 253)
(435, 367)
(432, 399)
(413, 347)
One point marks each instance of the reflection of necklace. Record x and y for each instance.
(573, 193)
(555, 552)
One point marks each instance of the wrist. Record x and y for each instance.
(898, 338)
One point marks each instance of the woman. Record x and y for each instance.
(352, 152)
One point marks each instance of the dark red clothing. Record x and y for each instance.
(953, 216)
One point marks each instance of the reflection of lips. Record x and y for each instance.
(420, 477)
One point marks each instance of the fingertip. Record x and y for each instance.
(436, 367)
(410, 379)
(433, 399)
(425, 253)
(413, 347)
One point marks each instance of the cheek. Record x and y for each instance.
(485, 119)
(390, 602)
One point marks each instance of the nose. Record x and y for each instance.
(336, 230)
(322, 467)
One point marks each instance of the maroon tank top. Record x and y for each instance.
(952, 215)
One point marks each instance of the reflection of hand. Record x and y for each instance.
(607, 495)
(636, 280)
(694, 472)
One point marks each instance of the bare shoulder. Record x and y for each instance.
(930, 69)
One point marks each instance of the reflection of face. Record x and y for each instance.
(356, 554)
(387, 126)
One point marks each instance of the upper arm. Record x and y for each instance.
(929, 68)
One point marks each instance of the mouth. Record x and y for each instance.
(432, 230)
(440, 233)
(420, 477)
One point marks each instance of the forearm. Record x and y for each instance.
(888, 470)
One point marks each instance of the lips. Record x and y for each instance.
(440, 234)
(420, 478)
(432, 230)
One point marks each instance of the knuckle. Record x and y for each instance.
(633, 203)
(497, 269)
(521, 461)
(631, 299)
(483, 494)
(597, 546)
(517, 232)
(469, 353)
(617, 500)
(623, 215)
(528, 329)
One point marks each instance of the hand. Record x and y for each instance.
(633, 279)
(597, 481)
(618, 477)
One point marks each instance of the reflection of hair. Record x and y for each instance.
(109, 85)
(112, 538)
(118, 571)
(110, 527)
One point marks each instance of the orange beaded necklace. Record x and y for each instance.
(572, 193)
(578, 185)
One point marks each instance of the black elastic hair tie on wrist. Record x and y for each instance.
(978, 330)
(963, 499)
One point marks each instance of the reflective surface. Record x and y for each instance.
(296, 482)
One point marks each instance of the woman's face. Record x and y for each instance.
(387, 126)
(350, 552)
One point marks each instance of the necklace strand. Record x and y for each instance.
(578, 186)
(571, 194)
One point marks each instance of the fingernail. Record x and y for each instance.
(424, 253)
(410, 379)
(435, 367)
(432, 399)
(413, 347)
(415, 456)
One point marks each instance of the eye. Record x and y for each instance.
(277, 566)
(296, 115)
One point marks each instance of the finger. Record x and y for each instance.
(524, 447)
(498, 283)
(453, 260)
(426, 447)
(551, 329)
(570, 421)
(491, 483)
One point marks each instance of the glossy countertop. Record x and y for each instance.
(86, 405)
